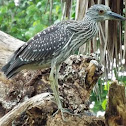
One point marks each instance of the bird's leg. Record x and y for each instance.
(54, 85)
(63, 110)
(57, 75)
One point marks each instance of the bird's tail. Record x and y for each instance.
(11, 68)
(14, 64)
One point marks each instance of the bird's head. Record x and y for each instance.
(101, 12)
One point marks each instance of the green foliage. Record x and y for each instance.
(100, 97)
(104, 103)
(29, 18)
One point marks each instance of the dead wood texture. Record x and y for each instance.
(38, 100)
(116, 108)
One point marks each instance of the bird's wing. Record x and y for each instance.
(44, 44)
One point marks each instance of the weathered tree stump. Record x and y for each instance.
(116, 108)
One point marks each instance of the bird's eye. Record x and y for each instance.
(101, 12)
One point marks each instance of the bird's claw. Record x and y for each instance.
(64, 110)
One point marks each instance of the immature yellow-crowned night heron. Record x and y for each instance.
(54, 44)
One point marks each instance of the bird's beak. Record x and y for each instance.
(116, 16)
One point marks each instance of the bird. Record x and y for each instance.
(52, 46)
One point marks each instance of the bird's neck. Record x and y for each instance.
(87, 30)
(90, 23)
(89, 19)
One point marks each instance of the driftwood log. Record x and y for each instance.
(8, 45)
(27, 99)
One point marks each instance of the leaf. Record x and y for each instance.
(31, 10)
(36, 16)
(38, 28)
(36, 22)
(11, 5)
(28, 34)
(39, 4)
(57, 8)
(107, 85)
(3, 10)
(104, 103)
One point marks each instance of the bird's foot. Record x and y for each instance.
(64, 110)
